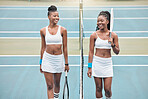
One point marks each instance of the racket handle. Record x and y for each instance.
(66, 73)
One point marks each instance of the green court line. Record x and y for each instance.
(128, 46)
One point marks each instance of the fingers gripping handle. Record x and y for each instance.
(110, 37)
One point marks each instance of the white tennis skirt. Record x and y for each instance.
(52, 63)
(102, 67)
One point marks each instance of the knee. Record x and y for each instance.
(108, 92)
(99, 89)
(49, 86)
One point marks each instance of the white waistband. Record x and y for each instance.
(52, 55)
(101, 58)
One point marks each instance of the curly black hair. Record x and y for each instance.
(52, 8)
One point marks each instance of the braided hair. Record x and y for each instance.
(107, 15)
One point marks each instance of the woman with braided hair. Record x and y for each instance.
(100, 65)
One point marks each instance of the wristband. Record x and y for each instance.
(66, 64)
(40, 61)
(89, 65)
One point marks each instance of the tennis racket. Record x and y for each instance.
(66, 88)
(111, 23)
(111, 20)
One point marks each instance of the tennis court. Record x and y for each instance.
(20, 77)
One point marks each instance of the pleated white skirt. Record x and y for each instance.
(52, 63)
(102, 67)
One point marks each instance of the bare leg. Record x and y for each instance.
(107, 86)
(57, 78)
(49, 82)
(98, 82)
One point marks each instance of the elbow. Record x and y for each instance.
(65, 49)
(117, 52)
(42, 49)
(91, 53)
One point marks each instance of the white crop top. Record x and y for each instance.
(53, 39)
(102, 44)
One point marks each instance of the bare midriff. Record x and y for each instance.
(104, 53)
(54, 49)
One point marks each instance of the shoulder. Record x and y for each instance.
(114, 35)
(43, 30)
(63, 29)
(93, 35)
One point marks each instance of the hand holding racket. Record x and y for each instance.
(66, 68)
(110, 40)
(66, 88)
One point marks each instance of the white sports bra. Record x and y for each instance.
(102, 44)
(53, 39)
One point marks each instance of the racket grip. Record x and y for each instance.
(66, 73)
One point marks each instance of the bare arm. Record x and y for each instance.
(116, 49)
(91, 48)
(43, 44)
(65, 51)
(91, 53)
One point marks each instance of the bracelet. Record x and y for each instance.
(89, 65)
(113, 46)
(66, 64)
(40, 61)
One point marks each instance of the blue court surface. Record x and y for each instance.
(20, 77)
